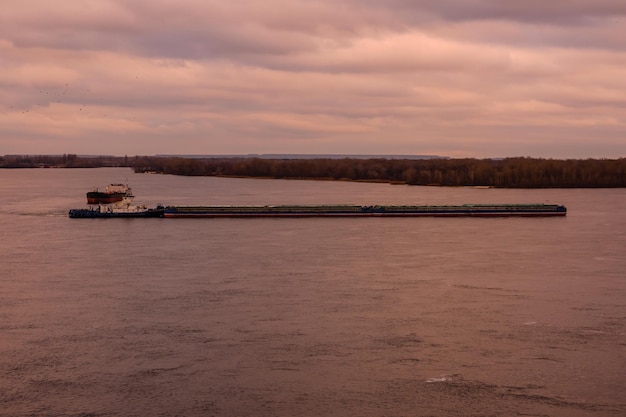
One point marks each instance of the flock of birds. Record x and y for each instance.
(58, 97)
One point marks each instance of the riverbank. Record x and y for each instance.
(500, 173)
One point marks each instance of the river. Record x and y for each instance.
(310, 316)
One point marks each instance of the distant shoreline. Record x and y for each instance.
(497, 173)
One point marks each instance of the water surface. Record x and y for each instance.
(310, 317)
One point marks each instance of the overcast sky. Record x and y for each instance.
(461, 78)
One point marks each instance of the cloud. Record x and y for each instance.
(567, 12)
(471, 78)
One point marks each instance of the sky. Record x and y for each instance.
(458, 78)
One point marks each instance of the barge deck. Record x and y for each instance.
(477, 210)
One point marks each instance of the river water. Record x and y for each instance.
(311, 316)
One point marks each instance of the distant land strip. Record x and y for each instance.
(518, 172)
(308, 156)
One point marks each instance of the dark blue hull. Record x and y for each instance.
(97, 214)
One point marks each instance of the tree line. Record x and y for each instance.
(61, 161)
(508, 172)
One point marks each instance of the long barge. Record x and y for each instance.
(474, 210)
(125, 209)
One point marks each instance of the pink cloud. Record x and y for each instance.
(476, 78)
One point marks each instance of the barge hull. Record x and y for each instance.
(515, 210)
(297, 215)
(468, 210)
